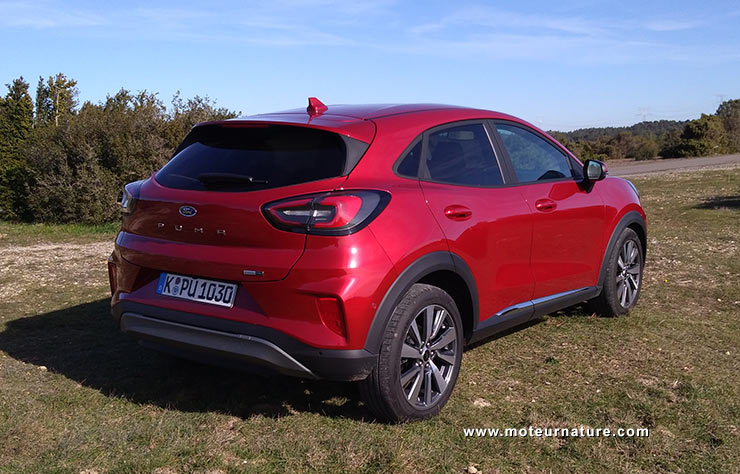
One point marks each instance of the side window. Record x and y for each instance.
(533, 158)
(462, 155)
(409, 165)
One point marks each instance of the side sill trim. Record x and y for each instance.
(508, 312)
(548, 304)
(522, 312)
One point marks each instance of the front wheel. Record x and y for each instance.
(623, 277)
(419, 358)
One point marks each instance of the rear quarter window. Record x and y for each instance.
(409, 164)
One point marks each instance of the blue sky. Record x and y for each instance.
(561, 65)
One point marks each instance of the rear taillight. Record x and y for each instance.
(332, 213)
(129, 197)
(127, 201)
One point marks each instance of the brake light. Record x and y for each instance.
(332, 213)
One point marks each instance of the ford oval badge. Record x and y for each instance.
(188, 211)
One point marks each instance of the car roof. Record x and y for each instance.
(357, 121)
(373, 111)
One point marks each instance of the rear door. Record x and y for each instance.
(568, 218)
(485, 222)
(201, 213)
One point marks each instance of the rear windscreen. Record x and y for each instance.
(253, 157)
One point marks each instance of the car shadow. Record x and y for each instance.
(720, 202)
(504, 333)
(83, 343)
(575, 311)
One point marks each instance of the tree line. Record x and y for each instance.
(65, 162)
(715, 134)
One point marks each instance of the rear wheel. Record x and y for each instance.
(419, 358)
(623, 277)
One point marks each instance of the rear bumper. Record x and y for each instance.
(217, 340)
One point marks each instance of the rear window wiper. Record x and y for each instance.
(228, 178)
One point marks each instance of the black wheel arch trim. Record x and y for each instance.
(632, 217)
(423, 266)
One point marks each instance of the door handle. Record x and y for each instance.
(458, 213)
(545, 205)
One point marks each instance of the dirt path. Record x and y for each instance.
(51, 264)
(636, 168)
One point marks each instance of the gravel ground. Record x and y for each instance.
(50, 264)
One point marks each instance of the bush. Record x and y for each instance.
(729, 112)
(702, 137)
(72, 165)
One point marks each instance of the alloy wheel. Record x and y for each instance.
(428, 356)
(628, 274)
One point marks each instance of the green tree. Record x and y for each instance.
(186, 113)
(634, 147)
(131, 133)
(43, 104)
(17, 113)
(80, 168)
(68, 164)
(703, 136)
(56, 99)
(16, 120)
(729, 112)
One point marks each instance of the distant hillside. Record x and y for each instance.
(647, 128)
(714, 134)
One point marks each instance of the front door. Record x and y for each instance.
(568, 219)
(485, 222)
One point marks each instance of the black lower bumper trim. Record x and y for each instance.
(243, 343)
(251, 349)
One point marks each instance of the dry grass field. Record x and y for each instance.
(77, 396)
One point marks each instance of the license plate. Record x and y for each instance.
(197, 289)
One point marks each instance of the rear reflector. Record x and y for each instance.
(332, 316)
(112, 275)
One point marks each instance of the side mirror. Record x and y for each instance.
(594, 170)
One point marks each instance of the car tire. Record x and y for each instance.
(622, 278)
(419, 357)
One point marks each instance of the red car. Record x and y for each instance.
(369, 243)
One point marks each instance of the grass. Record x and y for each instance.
(77, 396)
(17, 233)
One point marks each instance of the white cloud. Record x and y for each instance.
(501, 33)
(492, 18)
(43, 15)
(671, 25)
